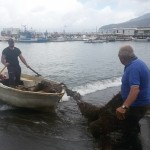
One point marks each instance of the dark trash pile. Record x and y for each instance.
(102, 120)
(43, 86)
(48, 87)
(103, 124)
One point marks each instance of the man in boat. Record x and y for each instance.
(10, 59)
(135, 89)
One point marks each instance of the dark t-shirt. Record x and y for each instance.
(12, 56)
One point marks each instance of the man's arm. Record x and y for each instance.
(3, 60)
(23, 60)
(120, 111)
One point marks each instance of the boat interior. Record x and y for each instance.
(33, 83)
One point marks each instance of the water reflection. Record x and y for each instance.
(63, 130)
(20, 120)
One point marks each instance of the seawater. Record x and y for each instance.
(85, 67)
(94, 70)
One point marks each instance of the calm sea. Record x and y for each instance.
(82, 66)
(88, 68)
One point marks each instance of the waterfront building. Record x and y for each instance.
(106, 31)
(118, 31)
(142, 32)
(10, 32)
(125, 31)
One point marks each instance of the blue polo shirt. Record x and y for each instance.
(136, 73)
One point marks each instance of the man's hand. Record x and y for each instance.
(27, 66)
(120, 113)
(6, 64)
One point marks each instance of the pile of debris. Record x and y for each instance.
(43, 86)
(102, 120)
(48, 87)
(103, 123)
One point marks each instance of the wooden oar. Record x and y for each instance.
(2, 69)
(34, 71)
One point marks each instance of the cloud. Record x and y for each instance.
(71, 15)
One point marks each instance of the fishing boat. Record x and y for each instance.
(95, 41)
(30, 37)
(141, 39)
(30, 99)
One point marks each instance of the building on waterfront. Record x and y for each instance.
(106, 31)
(142, 32)
(126, 31)
(10, 32)
(118, 31)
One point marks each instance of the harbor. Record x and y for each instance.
(100, 36)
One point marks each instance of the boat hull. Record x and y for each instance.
(33, 40)
(29, 99)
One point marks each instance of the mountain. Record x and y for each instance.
(142, 21)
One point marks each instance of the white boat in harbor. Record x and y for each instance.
(95, 41)
(141, 39)
(29, 99)
(58, 39)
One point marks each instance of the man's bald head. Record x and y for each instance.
(126, 54)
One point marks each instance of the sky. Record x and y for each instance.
(69, 15)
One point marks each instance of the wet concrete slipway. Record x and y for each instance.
(67, 129)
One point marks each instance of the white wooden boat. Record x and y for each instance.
(141, 39)
(29, 99)
(95, 41)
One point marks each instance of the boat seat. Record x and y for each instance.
(28, 82)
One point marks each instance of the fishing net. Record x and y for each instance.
(43, 86)
(48, 87)
(103, 123)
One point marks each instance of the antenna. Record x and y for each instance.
(25, 27)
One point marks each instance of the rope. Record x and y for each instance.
(74, 94)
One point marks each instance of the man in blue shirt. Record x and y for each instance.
(135, 88)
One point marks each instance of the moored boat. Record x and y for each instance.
(95, 41)
(141, 39)
(30, 99)
(31, 37)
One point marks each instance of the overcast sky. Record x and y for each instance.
(69, 15)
